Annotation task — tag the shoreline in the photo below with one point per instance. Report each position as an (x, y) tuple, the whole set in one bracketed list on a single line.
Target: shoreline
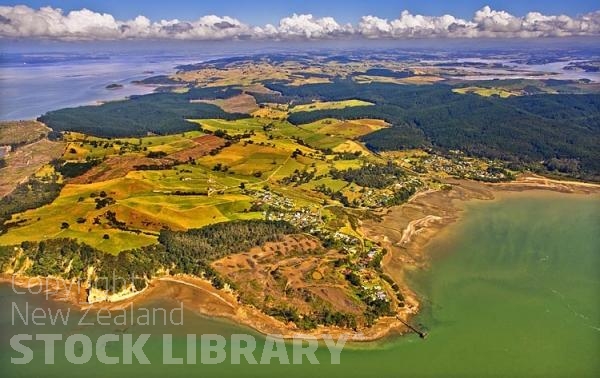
[(405, 230), (217, 304)]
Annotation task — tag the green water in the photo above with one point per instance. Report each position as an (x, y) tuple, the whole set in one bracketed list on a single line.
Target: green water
[(513, 291)]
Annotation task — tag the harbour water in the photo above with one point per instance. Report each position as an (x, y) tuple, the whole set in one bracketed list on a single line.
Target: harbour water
[(33, 83), (513, 291)]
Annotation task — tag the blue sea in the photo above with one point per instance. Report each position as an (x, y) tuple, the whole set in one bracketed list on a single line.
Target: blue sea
[(32, 83), (43, 76)]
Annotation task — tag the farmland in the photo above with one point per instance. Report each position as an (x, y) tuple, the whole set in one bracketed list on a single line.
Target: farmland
[(486, 92), (242, 103), (27, 151), (121, 188), (320, 105), (222, 171), (247, 145)]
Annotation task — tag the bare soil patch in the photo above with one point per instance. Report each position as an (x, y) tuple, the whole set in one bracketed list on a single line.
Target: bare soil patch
[(204, 145), (282, 274), (27, 160), (116, 167)]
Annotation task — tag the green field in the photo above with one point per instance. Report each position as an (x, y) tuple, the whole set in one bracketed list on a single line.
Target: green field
[(128, 199), (321, 105), (345, 129), (236, 127), (82, 146), (204, 191), (487, 92)]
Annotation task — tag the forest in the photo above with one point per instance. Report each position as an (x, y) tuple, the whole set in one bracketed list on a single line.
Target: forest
[(371, 175), (520, 129), (157, 113), (72, 169), (195, 249), (189, 252), (33, 193), (562, 131)]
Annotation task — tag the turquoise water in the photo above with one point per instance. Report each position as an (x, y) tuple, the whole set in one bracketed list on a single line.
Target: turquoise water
[(513, 291)]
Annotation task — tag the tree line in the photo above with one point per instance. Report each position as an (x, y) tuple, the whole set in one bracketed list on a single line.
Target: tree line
[(521, 129), (187, 252), (156, 113)]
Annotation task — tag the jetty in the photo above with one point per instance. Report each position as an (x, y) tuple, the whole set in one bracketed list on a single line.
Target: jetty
[(422, 334)]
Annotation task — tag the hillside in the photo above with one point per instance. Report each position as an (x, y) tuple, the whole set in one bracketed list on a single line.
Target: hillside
[(268, 204)]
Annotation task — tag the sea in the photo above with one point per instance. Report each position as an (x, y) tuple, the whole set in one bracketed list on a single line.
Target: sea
[(513, 290), (54, 77), (40, 76)]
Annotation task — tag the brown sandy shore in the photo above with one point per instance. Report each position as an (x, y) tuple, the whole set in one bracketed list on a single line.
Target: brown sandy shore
[(404, 230)]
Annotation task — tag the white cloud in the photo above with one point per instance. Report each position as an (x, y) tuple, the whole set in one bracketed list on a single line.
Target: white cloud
[(24, 22), (374, 27), (499, 23), (47, 22), (485, 23), (305, 25), (409, 25)]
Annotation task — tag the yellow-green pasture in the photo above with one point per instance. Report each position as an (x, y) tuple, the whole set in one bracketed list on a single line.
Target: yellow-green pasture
[(346, 129), (341, 165), (487, 92), (187, 178), (82, 146), (322, 105), (247, 159), (277, 128), (189, 211), (236, 127), (329, 182), (144, 200), (75, 204)]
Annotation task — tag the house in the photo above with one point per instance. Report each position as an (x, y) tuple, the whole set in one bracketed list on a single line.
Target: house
[(4, 150)]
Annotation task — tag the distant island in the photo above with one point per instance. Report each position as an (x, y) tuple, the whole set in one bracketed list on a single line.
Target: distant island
[(114, 86)]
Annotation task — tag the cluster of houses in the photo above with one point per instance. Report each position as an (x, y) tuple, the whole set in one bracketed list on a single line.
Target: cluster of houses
[(273, 200), (303, 218), (376, 293), (463, 168)]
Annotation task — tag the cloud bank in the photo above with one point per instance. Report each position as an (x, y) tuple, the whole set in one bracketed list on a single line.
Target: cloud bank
[(52, 23)]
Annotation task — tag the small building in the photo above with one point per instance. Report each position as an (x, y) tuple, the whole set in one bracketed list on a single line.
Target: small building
[(4, 150)]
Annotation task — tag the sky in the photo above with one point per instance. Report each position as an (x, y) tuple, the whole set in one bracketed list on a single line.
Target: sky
[(296, 19), (271, 11)]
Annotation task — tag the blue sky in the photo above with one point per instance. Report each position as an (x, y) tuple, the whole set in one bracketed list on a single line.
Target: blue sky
[(271, 11), (296, 19)]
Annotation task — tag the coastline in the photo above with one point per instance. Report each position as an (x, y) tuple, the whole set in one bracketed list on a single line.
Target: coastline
[(405, 230)]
